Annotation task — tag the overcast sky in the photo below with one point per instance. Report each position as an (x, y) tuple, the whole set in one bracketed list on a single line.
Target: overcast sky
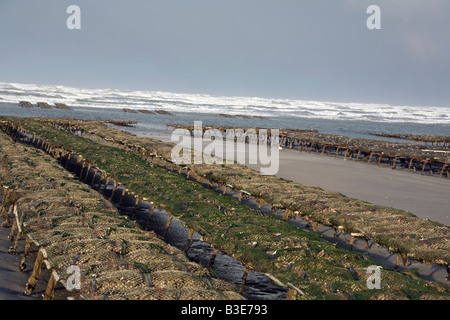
[(310, 50)]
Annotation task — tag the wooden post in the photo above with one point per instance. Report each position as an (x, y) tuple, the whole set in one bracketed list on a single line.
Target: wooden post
[(244, 278), (394, 164), (315, 224), (379, 158), (5, 224), (135, 207), (213, 257), (80, 162), (410, 164), (188, 243), (23, 265), (150, 215), (114, 190), (335, 232), (19, 235), (169, 221), (443, 168), (357, 156), (345, 155), (286, 215), (404, 257), (106, 183), (260, 203), (397, 262), (5, 196), (122, 195), (337, 152), (352, 241), (3, 212), (93, 177), (31, 284), (87, 171), (50, 291), (68, 159), (350, 155), (424, 163), (11, 234)]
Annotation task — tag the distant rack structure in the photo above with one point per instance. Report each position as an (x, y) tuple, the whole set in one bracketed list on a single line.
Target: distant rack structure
[(145, 111), (435, 141), (434, 160), (62, 106), (226, 115), (44, 105), (25, 104)]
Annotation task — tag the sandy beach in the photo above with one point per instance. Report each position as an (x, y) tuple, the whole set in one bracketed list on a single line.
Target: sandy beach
[(426, 197)]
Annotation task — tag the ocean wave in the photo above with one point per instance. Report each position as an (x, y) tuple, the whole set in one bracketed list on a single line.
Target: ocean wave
[(195, 103)]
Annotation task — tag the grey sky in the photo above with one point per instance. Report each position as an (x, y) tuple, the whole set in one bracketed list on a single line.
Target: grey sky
[(312, 50)]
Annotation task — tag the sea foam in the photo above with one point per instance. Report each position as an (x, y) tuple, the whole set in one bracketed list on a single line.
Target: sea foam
[(203, 103)]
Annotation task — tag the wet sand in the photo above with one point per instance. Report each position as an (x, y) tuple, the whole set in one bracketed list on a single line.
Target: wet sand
[(425, 196), (12, 282)]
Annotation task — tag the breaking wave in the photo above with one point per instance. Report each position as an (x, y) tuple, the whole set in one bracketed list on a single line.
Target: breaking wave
[(202, 103)]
